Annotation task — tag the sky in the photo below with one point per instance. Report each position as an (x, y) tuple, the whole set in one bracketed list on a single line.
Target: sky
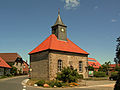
[(94, 25)]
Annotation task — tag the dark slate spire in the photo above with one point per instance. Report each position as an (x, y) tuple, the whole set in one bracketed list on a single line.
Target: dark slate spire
[(59, 20)]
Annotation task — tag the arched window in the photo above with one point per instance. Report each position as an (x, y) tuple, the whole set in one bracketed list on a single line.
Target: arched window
[(80, 66), (59, 65)]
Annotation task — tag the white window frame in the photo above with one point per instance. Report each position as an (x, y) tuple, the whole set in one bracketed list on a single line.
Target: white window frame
[(59, 65)]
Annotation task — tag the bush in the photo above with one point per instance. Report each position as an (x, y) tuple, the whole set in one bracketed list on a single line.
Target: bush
[(113, 74), (13, 70), (80, 76), (90, 68), (1, 77), (99, 74), (68, 75), (55, 83), (40, 83)]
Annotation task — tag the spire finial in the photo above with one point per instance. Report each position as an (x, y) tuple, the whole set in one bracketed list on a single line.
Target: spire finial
[(59, 20), (58, 11)]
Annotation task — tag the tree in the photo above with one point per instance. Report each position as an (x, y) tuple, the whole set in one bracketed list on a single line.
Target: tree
[(13, 70), (105, 67), (117, 85), (68, 75), (91, 68)]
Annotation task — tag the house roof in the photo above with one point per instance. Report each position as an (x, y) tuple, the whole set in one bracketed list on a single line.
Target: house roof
[(3, 63), (114, 65), (9, 57), (93, 62), (54, 44), (25, 63)]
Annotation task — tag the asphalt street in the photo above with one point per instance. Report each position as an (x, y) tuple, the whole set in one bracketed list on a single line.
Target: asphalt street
[(15, 84), (11, 84)]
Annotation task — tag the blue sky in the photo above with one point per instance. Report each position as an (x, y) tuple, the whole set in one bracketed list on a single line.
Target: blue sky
[(93, 25)]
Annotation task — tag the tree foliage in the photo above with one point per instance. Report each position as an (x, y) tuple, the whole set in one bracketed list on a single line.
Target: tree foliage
[(117, 85), (68, 75), (105, 67), (13, 70), (91, 68)]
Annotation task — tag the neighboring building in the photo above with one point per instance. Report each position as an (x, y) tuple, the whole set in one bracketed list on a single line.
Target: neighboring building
[(10, 57), (56, 52), (113, 66), (4, 68), (93, 62), (15, 60), (25, 68), (19, 65)]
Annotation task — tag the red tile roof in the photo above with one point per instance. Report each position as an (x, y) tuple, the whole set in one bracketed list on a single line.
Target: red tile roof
[(93, 62), (9, 57), (3, 63), (114, 65), (54, 44)]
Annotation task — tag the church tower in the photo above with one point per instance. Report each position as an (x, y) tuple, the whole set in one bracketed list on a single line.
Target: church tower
[(59, 29), (56, 52)]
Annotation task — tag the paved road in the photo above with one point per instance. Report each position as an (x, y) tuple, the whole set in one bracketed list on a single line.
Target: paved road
[(15, 84), (11, 84)]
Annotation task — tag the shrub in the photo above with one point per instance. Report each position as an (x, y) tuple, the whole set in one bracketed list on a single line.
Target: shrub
[(80, 76), (3, 77), (13, 70), (99, 74), (58, 84), (90, 68), (51, 83), (68, 75), (40, 83), (55, 83), (113, 74)]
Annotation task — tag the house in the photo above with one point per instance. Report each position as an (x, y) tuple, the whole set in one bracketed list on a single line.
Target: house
[(56, 52), (10, 57), (14, 59), (4, 68), (113, 67), (93, 62), (25, 68)]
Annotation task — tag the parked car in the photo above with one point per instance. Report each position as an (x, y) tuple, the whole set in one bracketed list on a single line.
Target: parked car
[(113, 77)]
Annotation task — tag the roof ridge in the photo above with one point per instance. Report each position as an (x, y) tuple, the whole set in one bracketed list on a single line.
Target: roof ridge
[(54, 44), (77, 45)]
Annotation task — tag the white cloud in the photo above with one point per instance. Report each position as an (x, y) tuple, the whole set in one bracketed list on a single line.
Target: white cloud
[(96, 7), (114, 20), (71, 4)]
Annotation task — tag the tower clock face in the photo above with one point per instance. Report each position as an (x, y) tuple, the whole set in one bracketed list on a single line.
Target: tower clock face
[(62, 30)]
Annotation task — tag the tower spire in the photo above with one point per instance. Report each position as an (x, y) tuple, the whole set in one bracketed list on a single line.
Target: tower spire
[(58, 11), (59, 20), (59, 29)]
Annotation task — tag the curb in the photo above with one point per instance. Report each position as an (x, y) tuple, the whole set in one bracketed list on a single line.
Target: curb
[(97, 86), (24, 82)]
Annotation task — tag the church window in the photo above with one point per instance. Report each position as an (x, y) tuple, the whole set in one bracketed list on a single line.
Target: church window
[(59, 65), (80, 66)]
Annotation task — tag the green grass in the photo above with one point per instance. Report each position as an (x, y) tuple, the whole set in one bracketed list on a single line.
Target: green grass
[(97, 78)]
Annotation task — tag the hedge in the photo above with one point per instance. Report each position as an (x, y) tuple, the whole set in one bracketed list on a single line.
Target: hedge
[(99, 74)]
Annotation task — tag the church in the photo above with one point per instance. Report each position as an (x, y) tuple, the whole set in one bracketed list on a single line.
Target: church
[(56, 52)]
